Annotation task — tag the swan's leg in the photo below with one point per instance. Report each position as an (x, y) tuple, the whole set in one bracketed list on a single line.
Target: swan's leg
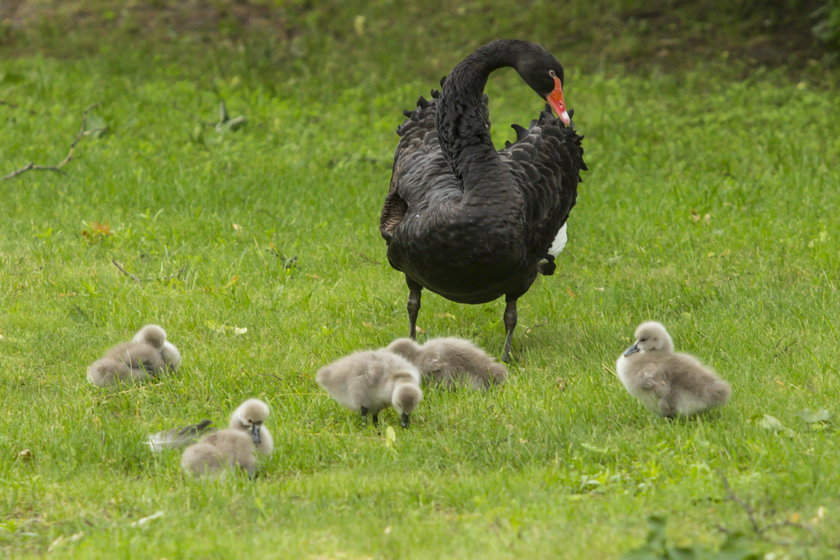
[(510, 324), (413, 306)]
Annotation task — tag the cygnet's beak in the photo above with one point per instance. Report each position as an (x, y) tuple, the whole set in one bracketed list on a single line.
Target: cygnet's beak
[(632, 350), (255, 433), (404, 420)]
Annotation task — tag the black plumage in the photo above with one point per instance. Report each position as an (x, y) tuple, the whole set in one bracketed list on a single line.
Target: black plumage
[(469, 222)]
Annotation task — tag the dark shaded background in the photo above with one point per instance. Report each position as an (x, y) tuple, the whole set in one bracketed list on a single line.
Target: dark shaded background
[(738, 36)]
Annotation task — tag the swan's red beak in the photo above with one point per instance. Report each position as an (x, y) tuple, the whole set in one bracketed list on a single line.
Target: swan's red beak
[(555, 99)]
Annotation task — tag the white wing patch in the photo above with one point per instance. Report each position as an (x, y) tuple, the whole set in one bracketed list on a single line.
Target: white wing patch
[(559, 242)]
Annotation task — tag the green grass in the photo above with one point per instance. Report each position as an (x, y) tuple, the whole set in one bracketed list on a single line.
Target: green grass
[(711, 205)]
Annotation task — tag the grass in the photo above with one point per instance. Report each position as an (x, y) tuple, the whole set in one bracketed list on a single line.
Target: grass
[(710, 205)]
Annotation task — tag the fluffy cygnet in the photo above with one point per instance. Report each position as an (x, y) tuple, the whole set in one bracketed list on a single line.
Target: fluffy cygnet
[(218, 451), (156, 336), (130, 361), (233, 446), (250, 418), (371, 380), (147, 355), (449, 361), (668, 383)]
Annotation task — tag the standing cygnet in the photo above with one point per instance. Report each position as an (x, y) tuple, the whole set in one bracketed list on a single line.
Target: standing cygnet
[(668, 383), (449, 361), (233, 446), (156, 336), (371, 380), (250, 418)]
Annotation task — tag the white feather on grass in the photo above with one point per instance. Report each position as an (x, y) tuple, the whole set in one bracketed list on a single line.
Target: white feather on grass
[(177, 437)]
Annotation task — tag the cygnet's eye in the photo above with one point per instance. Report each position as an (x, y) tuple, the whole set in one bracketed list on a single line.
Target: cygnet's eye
[(643, 340)]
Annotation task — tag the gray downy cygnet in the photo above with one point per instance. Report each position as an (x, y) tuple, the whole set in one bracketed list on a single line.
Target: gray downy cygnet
[(450, 361), (218, 451), (668, 383), (250, 418), (146, 356), (233, 446), (156, 336), (371, 380)]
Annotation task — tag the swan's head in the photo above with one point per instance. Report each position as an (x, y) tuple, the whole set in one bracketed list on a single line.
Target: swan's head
[(405, 347), (249, 417), (651, 337), (407, 395), (544, 74)]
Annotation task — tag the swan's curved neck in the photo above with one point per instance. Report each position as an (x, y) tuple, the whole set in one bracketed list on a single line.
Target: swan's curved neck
[(462, 120)]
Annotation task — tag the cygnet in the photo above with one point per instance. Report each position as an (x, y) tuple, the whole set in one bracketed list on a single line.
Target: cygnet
[(250, 418), (449, 361), (233, 446), (668, 383), (130, 361), (156, 336), (218, 451), (371, 380), (147, 355)]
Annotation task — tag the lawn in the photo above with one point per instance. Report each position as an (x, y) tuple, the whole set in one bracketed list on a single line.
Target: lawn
[(710, 204)]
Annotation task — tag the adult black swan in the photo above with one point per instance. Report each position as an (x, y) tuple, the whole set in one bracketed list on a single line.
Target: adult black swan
[(466, 221)]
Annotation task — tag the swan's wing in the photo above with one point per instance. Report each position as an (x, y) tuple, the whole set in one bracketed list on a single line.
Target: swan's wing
[(421, 176), (417, 155), (546, 161)]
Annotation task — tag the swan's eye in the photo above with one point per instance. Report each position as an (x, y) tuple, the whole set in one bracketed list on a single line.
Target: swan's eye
[(551, 73)]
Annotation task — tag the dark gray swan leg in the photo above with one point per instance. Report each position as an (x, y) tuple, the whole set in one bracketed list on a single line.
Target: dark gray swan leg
[(510, 324), (413, 306)]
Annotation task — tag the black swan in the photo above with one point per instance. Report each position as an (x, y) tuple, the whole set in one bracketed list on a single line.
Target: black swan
[(466, 221)]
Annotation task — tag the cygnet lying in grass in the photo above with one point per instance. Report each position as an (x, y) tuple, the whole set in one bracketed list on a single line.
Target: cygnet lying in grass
[(147, 355), (449, 361), (218, 451), (156, 336), (668, 383), (234, 446), (250, 418), (371, 380)]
